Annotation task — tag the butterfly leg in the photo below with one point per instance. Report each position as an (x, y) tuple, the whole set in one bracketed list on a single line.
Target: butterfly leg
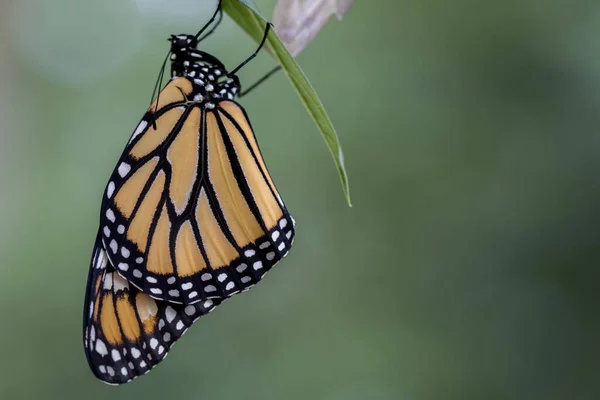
[(260, 46), (219, 12)]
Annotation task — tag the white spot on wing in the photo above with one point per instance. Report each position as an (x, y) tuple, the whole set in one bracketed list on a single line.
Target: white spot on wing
[(102, 261), (110, 189), (124, 169), (108, 281), (170, 313), (110, 215), (124, 252), (205, 277), (101, 348), (135, 353), (210, 288), (119, 283)]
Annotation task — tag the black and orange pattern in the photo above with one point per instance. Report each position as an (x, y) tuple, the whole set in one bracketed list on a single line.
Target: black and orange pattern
[(126, 332), (190, 217), (190, 212)]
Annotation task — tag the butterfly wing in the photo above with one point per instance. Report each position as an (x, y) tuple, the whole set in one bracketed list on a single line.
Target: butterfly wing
[(126, 332), (240, 220), (190, 212)]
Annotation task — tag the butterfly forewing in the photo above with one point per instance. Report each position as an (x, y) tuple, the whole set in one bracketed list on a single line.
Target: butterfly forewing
[(190, 212)]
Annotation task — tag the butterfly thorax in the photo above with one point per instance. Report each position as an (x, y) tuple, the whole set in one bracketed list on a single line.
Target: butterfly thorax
[(208, 75)]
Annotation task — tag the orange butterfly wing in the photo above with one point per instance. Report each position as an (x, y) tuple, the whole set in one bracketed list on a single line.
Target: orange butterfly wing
[(126, 332), (190, 212)]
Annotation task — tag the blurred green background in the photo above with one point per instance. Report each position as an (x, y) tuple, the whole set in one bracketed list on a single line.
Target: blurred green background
[(467, 269)]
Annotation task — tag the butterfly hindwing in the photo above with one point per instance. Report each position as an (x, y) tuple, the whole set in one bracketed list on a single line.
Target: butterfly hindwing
[(126, 332)]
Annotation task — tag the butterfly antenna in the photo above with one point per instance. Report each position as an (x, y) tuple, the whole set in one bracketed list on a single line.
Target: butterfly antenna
[(212, 19), (247, 60)]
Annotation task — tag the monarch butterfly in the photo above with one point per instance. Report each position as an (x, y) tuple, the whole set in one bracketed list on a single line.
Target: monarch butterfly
[(190, 216)]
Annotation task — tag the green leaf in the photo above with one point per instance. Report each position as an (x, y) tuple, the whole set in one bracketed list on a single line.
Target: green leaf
[(247, 16), (248, 3)]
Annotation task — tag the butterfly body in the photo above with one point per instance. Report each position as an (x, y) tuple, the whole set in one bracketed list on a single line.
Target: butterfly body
[(207, 74)]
